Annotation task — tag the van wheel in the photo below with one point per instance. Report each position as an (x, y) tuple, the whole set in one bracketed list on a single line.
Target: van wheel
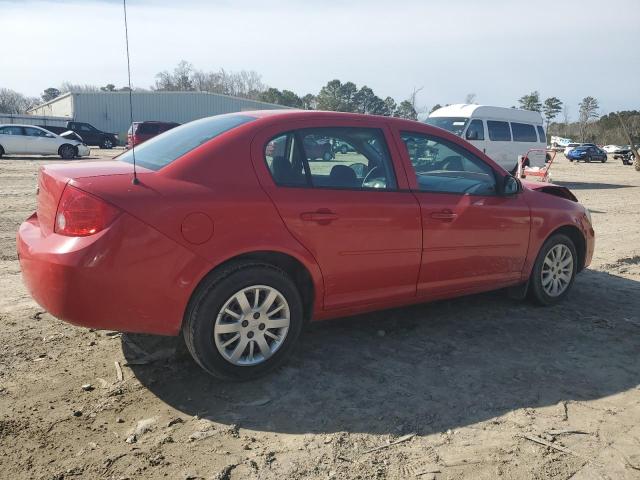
[(67, 152), (243, 321), (554, 271)]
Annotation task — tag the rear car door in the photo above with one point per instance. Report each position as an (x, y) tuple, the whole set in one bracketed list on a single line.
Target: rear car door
[(12, 139), (473, 238), (352, 212), (40, 142)]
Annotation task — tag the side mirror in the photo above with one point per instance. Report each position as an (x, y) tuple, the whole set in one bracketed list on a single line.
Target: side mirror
[(472, 134), (510, 186)]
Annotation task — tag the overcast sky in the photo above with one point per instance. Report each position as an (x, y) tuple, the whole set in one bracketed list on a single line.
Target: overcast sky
[(497, 49)]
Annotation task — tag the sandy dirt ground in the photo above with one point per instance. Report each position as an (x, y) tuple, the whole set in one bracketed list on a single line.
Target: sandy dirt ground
[(479, 387)]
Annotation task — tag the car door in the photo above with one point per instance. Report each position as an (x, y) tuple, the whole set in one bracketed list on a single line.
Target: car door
[(353, 213), (475, 134), (88, 133), (474, 239), (12, 139), (40, 142)]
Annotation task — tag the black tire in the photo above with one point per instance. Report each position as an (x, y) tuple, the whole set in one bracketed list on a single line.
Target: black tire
[(211, 296), (604, 159), (107, 143), (67, 152), (588, 159), (536, 290)]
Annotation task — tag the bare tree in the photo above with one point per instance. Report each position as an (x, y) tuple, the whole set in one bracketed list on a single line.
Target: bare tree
[(588, 111), (470, 98), (13, 102), (67, 87)]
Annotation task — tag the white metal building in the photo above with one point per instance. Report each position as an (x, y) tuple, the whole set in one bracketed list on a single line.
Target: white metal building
[(109, 111)]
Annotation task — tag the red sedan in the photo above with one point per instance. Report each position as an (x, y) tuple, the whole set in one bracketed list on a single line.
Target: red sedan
[(233, 237)]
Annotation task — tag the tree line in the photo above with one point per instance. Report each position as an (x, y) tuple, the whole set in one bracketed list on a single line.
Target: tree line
[(344, 97)]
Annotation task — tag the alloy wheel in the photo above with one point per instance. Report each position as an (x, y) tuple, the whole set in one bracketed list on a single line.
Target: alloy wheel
[(252, 325), (557, 270)]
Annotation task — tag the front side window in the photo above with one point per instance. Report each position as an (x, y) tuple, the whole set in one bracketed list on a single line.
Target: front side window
[(499, 131), (332, 157), (34, 132), (455, 125), (523, 132), (164, 149), (475, 130), (441, 166)]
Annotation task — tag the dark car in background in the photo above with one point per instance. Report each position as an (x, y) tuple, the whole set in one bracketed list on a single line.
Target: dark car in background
[(587, 153), (142, 131), (89, 134)]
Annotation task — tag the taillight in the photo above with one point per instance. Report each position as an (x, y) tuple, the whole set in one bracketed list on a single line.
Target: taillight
[(80, 214)]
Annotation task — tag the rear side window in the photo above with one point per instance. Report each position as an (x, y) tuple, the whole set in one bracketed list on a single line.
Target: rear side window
[(334, 157), (11, 131), (160, 151), (543, 136), (499, 131), (523, 132)]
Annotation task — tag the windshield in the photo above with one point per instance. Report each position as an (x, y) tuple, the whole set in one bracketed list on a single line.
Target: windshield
[(455, 125), (160, 151)]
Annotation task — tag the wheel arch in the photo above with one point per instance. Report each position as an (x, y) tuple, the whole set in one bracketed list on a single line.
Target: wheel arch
[(577, 237), (67, 145), (292, 266)]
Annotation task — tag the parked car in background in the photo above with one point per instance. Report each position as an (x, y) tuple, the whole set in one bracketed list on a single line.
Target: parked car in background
[(342, 147), (570, 147), (560, 143), (318, 148), (503, 134), (90, 135), (587, 153), (32, 140), (140, 132), (613, 148), (294, 240)]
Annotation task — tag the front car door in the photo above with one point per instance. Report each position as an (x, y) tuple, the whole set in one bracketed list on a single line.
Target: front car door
[(500, 148), (353, 212), (40, 142), (474, 239)]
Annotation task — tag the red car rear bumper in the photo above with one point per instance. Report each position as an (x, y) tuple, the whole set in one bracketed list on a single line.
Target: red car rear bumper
[(129, 277)]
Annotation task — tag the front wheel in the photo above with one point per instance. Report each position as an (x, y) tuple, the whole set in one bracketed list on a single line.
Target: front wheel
[(244, 321), (67, 152), (554, 271), (604, 159), (107, 143)]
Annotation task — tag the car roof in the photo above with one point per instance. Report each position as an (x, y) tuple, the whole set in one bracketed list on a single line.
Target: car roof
[(486, 111), (21, 125)]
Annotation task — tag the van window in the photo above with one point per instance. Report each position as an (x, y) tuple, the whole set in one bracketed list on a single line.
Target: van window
[(523, 132), (543, 136), (475, 130), (499, 131), (455, 125)]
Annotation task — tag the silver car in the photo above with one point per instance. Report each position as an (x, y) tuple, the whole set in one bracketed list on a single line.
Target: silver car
[(32, 140)]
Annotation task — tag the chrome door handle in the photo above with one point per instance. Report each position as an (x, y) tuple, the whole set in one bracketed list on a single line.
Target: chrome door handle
[(445, 215)]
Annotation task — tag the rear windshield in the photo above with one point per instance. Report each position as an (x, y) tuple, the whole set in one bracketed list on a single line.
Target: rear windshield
[(160, 151), (454, 125)]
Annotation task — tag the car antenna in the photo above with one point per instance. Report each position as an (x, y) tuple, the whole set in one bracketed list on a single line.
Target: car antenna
[(135, 180)]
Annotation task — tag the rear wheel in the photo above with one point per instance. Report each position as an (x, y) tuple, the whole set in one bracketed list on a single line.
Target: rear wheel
[(243, 321), (67, 152), (554, 271)]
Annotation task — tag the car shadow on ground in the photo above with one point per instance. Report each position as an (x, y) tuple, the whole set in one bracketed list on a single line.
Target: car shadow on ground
[(424, 368), (591, 185)]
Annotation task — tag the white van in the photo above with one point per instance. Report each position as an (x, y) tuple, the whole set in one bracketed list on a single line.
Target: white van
[(502, 133)]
